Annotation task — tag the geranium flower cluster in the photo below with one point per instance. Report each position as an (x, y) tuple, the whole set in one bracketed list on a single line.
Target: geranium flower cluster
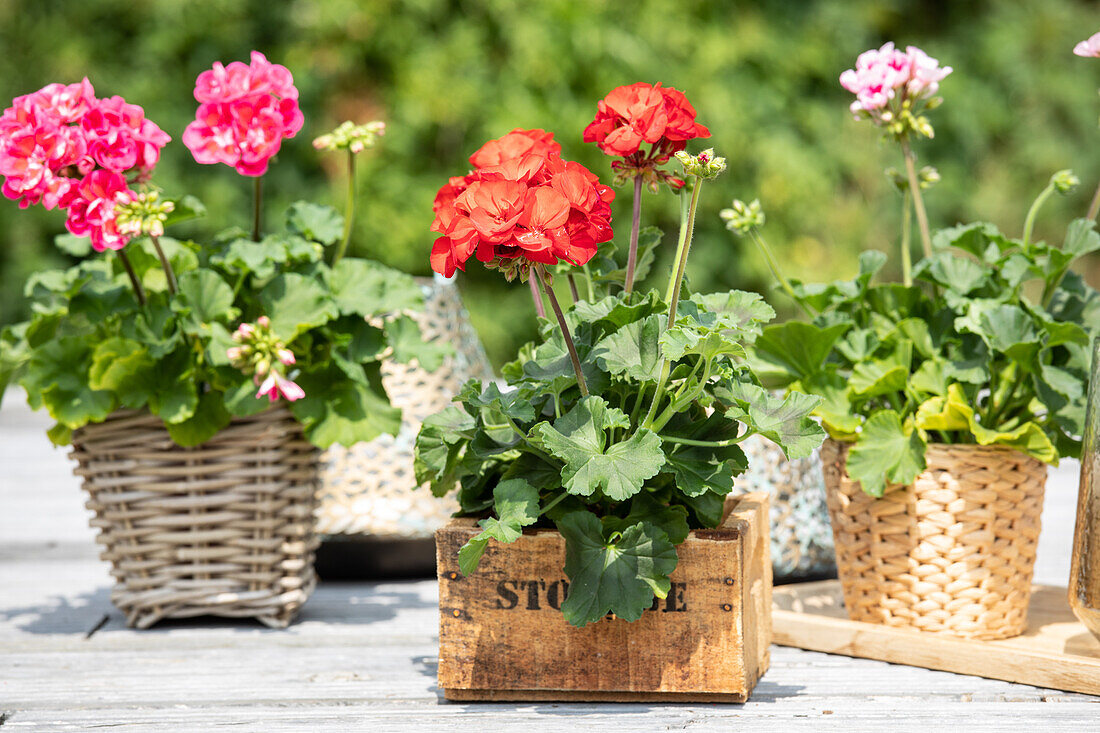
[(522, 205), (245, 111), (1089, 48), (888, 82), (259, 353), (66, 149), (637, 114)]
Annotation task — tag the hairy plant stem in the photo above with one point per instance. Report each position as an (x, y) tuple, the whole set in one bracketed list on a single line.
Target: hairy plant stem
[(173, 285), (540, 307), (918, 200), (683, 248), (906, 231), (573, 288), (139, 292), (257, 207), (1094, 207), (349, 212), (588, 283), (1029, 220), (636, 218), (581, 383), (777, 273), (557, 500)]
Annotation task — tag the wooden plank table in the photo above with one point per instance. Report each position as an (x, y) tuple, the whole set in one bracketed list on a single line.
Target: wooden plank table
[(365, 654)]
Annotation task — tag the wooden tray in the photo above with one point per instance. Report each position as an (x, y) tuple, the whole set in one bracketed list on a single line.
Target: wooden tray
[(1056, 652)]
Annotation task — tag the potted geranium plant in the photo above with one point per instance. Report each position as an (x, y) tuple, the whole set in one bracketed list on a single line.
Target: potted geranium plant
[(195, 381), (613, 443), (944, 395)]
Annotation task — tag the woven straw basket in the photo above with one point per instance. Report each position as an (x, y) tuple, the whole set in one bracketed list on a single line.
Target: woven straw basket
[(952, 553), (369, 488), (223, 529)]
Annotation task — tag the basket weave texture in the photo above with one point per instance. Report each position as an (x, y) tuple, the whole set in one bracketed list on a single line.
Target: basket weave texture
[(369, 488), (224, 528), (951, 553)]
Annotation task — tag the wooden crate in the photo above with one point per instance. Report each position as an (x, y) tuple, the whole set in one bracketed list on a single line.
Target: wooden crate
[(1056, 651), (502, 635)]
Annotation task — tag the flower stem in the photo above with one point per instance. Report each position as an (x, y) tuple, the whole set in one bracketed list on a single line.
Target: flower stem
[(1029, 220), (588, 284), (139, 292), (1094, 207), (918, 201), (765, 250), (632, 254), (173, 286), (573, 287), (685, 237), (581, 383), (349, 212), (540, 307), (257, 206), (906, 231), (714, 443)]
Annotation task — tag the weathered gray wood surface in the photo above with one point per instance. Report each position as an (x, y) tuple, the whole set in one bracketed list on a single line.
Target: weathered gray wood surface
[(363, 655)]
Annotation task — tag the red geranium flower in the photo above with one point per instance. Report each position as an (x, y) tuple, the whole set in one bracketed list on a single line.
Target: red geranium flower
[(632, 116), (525, 205)]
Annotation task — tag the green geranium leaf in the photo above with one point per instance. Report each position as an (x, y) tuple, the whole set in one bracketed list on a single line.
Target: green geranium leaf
[(295, 304), (337, 410), (313, 221), (512, 403), (619, 574), (886, 452), (700, 469), (124, 367), (368, 289), (1081, 238), (632, 350), (645, 507), (241, 400), (947, 413), (1011, 330), (952, 271), (516, 505), (175, 396), (800, 347), (974, 238), (73, 245), (185, 208), (783, 420), (836, 411), (205, 296), (209, 417), (408, 344), (57, 377), (579, 439), (736, 310), (878, 377), (441, 439)]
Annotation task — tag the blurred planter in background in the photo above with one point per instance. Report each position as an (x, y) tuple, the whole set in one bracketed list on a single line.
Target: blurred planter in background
[(374, 521)]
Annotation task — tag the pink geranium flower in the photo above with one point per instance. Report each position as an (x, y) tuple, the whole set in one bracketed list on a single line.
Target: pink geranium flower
[(245, 113), (92, 209), (276, 386), (886, 75), (1090, 47)]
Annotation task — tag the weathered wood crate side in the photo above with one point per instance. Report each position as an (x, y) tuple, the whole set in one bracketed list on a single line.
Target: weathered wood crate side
[(502, 635)]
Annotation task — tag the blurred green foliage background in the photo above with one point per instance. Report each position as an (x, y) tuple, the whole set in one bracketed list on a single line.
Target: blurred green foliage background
[(448, 74)]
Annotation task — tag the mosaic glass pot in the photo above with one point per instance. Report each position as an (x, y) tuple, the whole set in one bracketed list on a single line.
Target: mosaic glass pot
[(1084, 579)]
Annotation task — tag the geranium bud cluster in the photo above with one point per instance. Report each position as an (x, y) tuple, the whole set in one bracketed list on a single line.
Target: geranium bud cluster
[(639, 114), (245, 111), (521, 205), (352, 137), (705, 165), (145, 214), (894, 87), (64, 148), (265, 358), (1065, 181), (742, 218), (927, 177)]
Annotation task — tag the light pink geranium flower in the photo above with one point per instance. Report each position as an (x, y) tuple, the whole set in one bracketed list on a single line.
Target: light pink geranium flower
[(245, 113), (1090, 47), (276, 386), (886, 75)]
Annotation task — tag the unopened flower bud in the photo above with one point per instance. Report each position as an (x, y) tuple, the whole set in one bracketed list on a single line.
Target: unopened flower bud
[(352, 137), (1064, 181), (704, 165), (742, 218), (286, 356), (263, 322)]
